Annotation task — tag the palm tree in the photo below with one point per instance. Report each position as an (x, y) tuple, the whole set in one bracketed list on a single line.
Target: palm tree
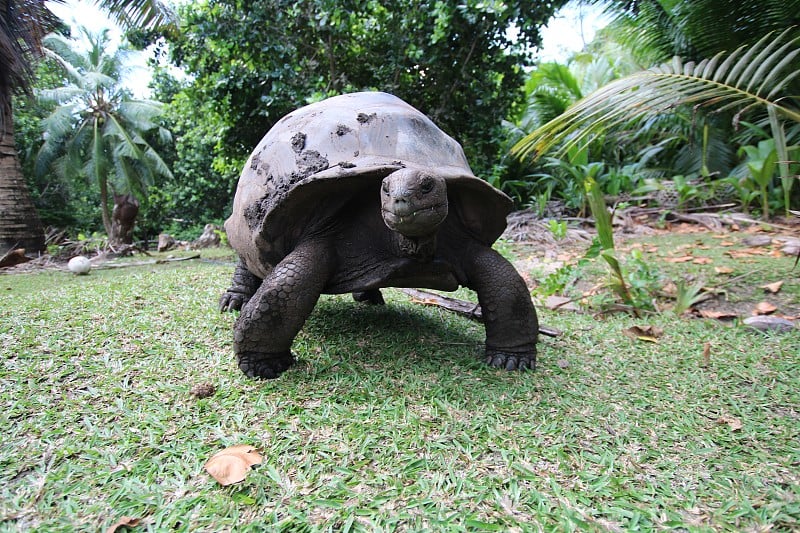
[(23, 23), (749, 78), (757, 80), (98, 131)]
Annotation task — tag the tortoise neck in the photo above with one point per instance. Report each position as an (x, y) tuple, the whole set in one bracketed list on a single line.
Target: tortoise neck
[(421, 248)]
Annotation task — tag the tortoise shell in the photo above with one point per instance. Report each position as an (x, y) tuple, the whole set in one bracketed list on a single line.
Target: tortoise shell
[(318, 157)]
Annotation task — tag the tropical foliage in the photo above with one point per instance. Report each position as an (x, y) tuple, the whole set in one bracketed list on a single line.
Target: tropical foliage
[(97, 131), (622, 112), (745, 80), (22, 25), (252, 62), (688, 117)]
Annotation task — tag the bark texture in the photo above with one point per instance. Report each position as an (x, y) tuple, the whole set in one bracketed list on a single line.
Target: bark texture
[(20, 226)]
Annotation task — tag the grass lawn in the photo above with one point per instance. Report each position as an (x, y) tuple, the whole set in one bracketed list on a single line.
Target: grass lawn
[(390, 421)]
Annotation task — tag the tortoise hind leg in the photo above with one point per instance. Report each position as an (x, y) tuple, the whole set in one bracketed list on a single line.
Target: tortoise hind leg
[(371, 297), (243, 286), (268, 324)]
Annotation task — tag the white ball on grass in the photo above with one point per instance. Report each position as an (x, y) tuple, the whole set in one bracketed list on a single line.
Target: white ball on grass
[(79, 265)]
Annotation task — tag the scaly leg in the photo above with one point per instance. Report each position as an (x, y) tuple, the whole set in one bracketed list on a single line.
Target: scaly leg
[(268, 324), (508, 313), (243, 287)]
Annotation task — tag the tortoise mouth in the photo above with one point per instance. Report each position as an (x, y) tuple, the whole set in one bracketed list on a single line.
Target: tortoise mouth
[(417, 223)]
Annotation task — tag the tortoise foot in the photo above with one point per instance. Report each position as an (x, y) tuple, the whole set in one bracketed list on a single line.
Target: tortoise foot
[(232, 301), (264, 365), (371, 297), (510, 361)]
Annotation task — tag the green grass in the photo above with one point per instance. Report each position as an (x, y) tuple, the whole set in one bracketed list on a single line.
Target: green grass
[(390, 421)]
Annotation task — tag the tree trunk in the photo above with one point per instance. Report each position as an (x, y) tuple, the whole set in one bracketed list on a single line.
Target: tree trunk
[(123, 219), (20, 226)]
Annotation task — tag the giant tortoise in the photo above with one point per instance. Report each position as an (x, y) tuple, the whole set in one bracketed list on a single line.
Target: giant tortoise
[(353, 194)]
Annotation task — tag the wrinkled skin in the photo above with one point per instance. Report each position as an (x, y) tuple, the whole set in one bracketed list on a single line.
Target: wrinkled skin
[(401, 233)]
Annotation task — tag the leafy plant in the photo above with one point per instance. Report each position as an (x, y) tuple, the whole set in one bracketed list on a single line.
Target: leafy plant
[(745, 189), (558, 228), (557, 281), (748, 78), (633, 281), (761, 161), (687, 295)]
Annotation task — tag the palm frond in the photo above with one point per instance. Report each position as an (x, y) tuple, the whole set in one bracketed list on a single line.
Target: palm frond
[(21, 30), (59, 95), (749, 77), (141, 14), (64, 47)]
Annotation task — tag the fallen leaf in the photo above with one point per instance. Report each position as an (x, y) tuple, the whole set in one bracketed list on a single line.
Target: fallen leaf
[(772, 287), (764, 308), (682, 259), (734, 423), (670, 289), (746, 252), (702, 261), (723, 270), (706, 354), (125, 521), (643, 333), (710, 313), (231, 465), (727, 243)]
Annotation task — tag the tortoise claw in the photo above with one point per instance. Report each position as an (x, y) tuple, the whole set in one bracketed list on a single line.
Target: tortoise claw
[(232, 301), (510, 361)]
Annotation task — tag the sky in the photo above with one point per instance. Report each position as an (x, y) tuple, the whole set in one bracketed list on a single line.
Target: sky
[(567, 32)]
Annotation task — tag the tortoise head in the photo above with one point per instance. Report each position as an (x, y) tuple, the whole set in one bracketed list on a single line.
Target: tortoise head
[(413, 202)]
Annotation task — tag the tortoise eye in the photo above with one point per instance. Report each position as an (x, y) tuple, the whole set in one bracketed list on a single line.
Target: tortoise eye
[(427, 186), (385, 187)]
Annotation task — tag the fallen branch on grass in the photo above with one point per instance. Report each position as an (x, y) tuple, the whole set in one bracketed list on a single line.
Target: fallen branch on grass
[(468, 309), (144, 263)]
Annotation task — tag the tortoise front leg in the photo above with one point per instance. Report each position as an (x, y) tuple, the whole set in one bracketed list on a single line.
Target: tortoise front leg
[(508, 313), (243, 286), (269, 322)]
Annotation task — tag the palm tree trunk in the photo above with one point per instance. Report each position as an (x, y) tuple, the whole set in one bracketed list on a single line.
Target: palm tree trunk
[(20, 226), (123, 219)]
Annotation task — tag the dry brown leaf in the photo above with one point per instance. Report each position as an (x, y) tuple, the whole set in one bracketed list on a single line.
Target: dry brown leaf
[(734, 423), (670, 289), (706, 354), (710, 313), (723, 270), (727, 243), (773, 287), (643, 333), (231, 465), (746, 252), (682, 259), (702, 261), (125, 521), (764, 308)]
